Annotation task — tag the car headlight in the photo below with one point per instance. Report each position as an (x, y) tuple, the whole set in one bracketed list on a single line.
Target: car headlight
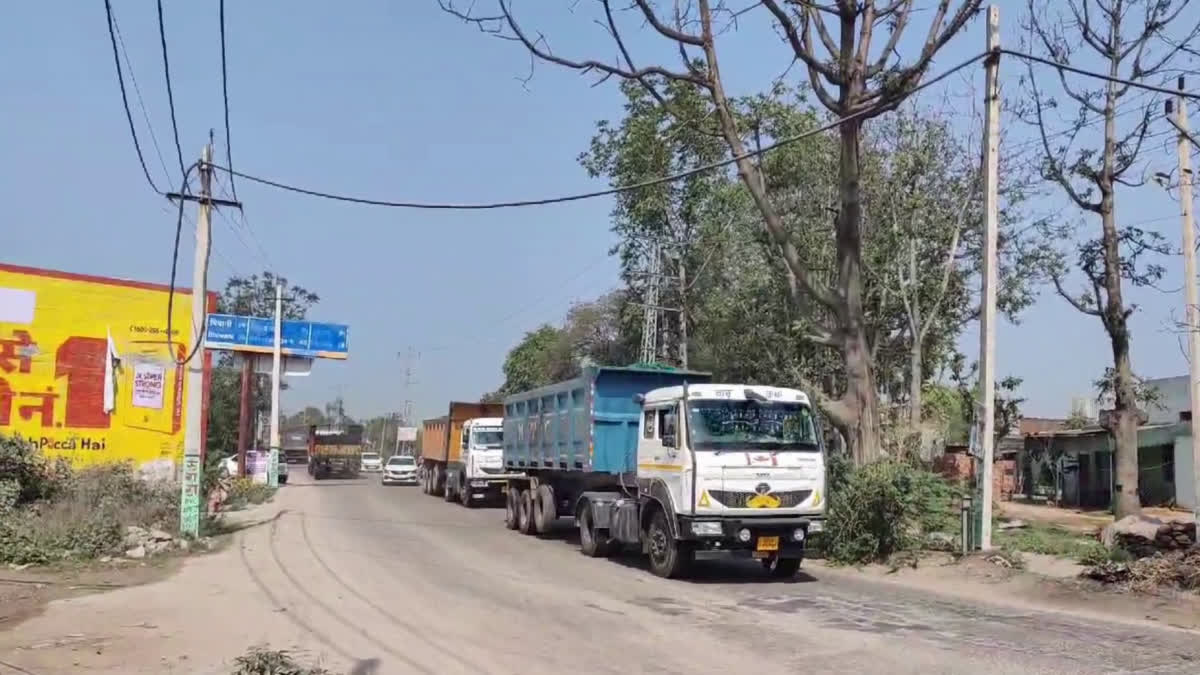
[(706, 529)]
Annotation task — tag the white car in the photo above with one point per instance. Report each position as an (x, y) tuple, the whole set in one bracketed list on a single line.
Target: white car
[(370, 462), (231, 466), (400, 470)]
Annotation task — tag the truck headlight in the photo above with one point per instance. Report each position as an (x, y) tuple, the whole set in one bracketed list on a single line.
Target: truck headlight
[(798, 534), (816, 526), (706, 529), (743, 535)]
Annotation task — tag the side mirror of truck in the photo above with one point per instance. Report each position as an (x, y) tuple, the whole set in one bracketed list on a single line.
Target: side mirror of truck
[(639, 398)]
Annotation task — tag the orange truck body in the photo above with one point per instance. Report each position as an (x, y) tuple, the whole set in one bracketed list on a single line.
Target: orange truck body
[(441, 437)]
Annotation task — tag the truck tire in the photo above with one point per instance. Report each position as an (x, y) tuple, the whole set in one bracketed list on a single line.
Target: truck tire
[(464, 493), (782, 568), (525, 512), (448, 492), (511, 509), (669, 558), (545, 509), (592, 543)]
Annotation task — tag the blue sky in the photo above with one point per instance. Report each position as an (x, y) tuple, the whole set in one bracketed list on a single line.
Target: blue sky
[(401, 101)]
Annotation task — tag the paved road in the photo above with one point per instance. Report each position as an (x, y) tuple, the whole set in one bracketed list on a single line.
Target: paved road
[(410, 569), (387, 580)]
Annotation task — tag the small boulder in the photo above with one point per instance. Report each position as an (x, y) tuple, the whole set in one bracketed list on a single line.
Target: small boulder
[(135, 536), (136, 553), (159, 535), (1015, 524), (939, 541)]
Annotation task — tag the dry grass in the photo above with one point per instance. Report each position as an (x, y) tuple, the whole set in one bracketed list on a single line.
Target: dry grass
[(1174, 570)]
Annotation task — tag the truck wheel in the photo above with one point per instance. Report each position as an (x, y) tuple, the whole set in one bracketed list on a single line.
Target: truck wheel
[(511, 508), (448, 492), (592, 543), (545, 509), (668, 558), (782, 568), (525, 512), (464, 493)]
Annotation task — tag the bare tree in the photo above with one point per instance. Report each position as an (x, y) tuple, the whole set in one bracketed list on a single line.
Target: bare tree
[(1128, 38), (854, 78)]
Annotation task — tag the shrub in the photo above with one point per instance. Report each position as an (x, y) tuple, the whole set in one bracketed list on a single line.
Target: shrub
[(884, 508), (51, 513), (262, 661), (34, 477), (243, 491)]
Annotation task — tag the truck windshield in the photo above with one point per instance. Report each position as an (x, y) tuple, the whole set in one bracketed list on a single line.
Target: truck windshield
[(730, 425), (488, 437)]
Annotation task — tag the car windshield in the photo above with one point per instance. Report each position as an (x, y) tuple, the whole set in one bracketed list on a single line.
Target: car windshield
[(758, 425), (370, 456), (401, 461), (489, 437)]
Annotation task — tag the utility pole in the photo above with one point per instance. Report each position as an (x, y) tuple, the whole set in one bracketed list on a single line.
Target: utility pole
[(650, 312), (244, 426), (193, 441), (683, 315), (1191, 308), (987, 323), (273, 459)]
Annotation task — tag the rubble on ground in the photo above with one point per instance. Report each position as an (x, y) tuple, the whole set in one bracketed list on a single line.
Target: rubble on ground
[(1143, 536), (1167, 569), (141, 542)]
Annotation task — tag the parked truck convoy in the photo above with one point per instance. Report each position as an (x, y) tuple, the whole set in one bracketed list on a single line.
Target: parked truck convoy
[(665, 462), (461, 454), (334, 450)]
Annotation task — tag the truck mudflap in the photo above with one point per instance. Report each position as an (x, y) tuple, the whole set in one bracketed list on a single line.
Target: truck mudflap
[(762, 537)]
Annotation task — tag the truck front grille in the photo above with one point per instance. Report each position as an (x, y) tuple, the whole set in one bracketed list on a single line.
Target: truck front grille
[(491, 469), (736, 499)]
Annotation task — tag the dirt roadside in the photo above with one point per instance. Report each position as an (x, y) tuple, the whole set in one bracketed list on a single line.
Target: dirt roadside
[(1049, 584)]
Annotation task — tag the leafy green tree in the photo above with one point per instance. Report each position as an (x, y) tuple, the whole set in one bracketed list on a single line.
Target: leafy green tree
[(247, 296), (857, 73)]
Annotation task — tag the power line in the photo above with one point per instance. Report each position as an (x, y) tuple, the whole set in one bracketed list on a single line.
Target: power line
[(225, 96), (125, 97), (596, 193), (1095, 75), (198, 330), (137, 90), (162, 36)]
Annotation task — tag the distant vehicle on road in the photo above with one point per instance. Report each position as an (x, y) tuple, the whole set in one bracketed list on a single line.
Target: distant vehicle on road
[(370, 462), (461, 454), (334, 450), (399, 470)]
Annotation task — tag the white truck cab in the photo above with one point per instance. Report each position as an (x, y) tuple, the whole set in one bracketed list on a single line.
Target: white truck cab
[(479, 475), (740, 469)]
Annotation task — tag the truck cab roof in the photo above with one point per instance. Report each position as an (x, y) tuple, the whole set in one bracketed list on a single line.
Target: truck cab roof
[(484, 422), (733, 392)]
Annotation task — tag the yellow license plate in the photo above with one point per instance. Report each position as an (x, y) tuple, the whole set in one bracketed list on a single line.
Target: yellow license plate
[(768, 543)]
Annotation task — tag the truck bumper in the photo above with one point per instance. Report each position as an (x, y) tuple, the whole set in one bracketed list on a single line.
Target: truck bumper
[(750, 537)]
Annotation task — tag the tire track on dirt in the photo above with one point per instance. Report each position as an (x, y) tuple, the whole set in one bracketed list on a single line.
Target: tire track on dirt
[(447, 650), (333, 613), (276, 601)]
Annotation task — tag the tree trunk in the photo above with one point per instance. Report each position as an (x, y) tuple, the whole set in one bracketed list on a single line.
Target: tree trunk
[(860, 382), (915, 381), (1125, 423)]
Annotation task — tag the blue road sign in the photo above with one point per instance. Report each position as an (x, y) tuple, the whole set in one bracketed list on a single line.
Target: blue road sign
[(297, 338)]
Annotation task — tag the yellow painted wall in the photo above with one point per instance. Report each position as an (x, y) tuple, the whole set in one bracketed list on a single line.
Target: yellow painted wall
[(53, 343)]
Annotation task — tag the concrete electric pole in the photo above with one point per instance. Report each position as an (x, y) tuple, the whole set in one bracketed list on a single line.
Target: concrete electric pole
[(1191, 309), (987, 323), (193, 439), (273, 458)]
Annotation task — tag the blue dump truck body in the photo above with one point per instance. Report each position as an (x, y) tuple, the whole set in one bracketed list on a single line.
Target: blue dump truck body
[(585, 425)]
